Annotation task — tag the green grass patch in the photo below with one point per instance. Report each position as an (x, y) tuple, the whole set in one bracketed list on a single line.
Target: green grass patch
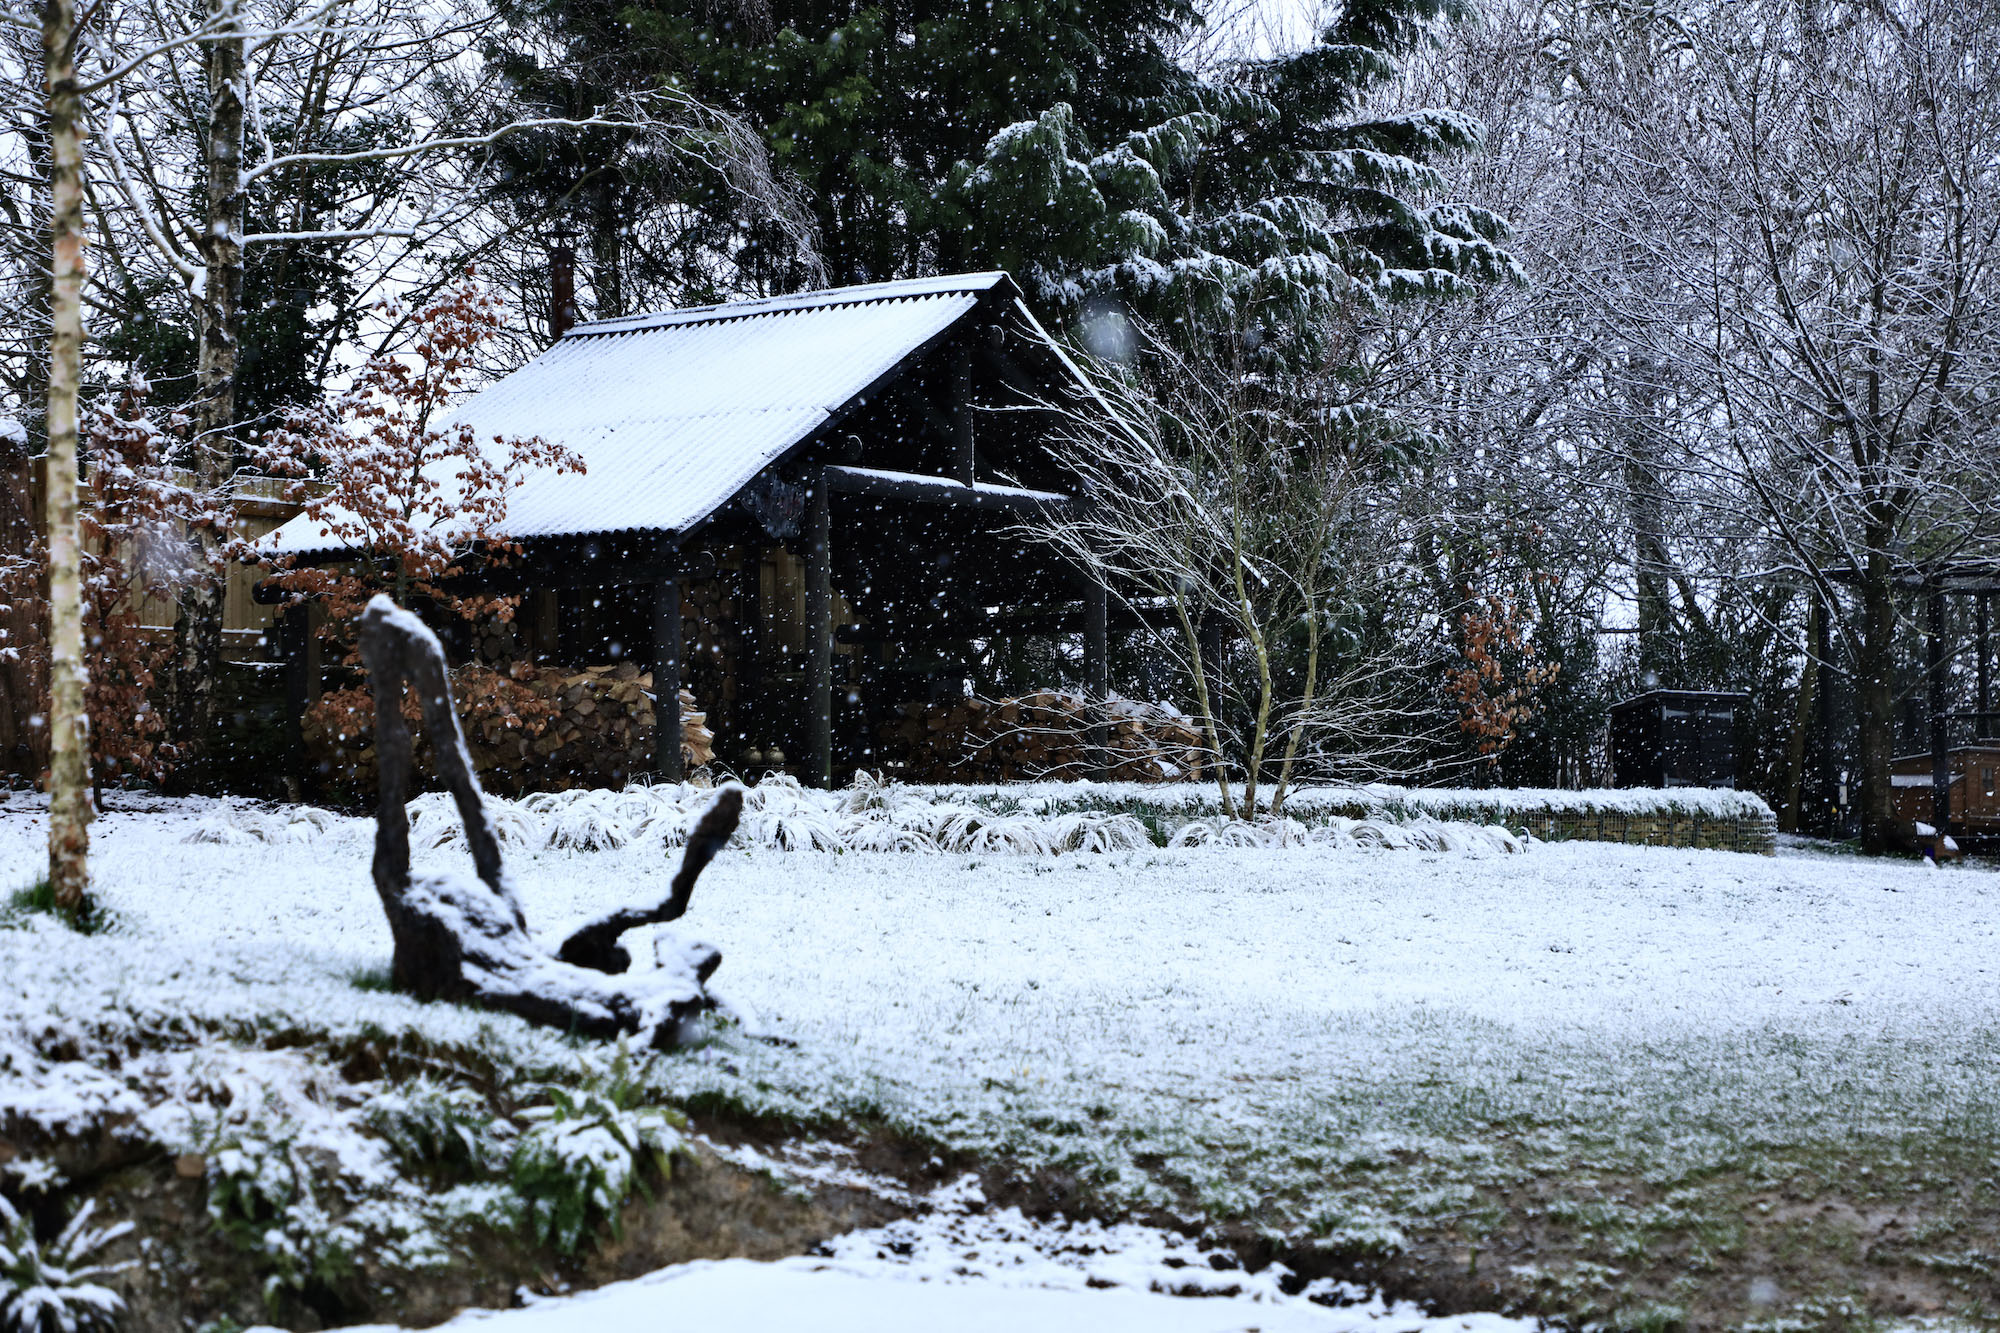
[(38, 899), (374, 978)]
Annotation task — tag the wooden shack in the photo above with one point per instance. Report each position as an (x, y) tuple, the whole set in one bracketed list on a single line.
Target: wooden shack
[(788, 503), (1674, 738), (1974, 786)]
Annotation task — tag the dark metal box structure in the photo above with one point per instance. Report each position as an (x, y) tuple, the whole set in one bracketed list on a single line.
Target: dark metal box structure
[(1675, 738)]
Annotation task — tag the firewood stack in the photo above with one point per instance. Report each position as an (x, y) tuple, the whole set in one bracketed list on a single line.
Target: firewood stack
[(496, 643), (1041, 735), (714, 640), (595, 729), (601, 734)]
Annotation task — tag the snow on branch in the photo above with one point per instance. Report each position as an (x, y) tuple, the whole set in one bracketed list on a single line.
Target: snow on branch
[(595, 945), (359, 234), (390, 152)]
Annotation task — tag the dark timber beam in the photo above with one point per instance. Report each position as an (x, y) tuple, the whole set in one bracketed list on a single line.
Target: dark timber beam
[(667, 680), (1940, 736), (569, 568), (750, 712), (965, 454), (960, 629), (819, 632), (939, 490), (313, 616), (1097, 665), (571, 571), (294, 632)]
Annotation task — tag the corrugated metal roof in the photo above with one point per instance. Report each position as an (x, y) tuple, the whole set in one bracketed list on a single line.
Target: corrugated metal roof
[(832, 296), (674, 413)]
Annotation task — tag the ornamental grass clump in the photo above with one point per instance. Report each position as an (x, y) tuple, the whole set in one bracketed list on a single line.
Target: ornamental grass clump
[(55, 1288)]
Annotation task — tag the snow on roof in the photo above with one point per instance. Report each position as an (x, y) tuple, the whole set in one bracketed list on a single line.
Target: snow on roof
[(673, 413), (950, 285)]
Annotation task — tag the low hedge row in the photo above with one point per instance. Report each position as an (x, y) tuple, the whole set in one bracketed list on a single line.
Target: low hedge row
[(1675, 816)]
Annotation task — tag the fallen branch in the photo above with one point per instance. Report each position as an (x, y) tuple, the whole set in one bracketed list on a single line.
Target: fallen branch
[(595, 944), (467, 941)]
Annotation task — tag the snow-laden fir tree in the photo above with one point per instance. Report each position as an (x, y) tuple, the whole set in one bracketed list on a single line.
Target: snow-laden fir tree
[(1261, 200)]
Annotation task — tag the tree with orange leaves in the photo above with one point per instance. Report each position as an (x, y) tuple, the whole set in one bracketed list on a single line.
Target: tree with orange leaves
[(1494, 684), (415, 499)]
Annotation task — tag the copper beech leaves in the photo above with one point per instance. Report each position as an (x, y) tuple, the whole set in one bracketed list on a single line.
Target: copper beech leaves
[(134, 517), (418, 499), (1495, 684)]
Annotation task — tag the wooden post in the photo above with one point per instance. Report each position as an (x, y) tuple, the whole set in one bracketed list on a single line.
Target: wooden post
[(1097, 667), (542, 621), (750, 656), (965, 455), (295, 646), (667, 679), (313, 616), (819, 635), (1940, 735)]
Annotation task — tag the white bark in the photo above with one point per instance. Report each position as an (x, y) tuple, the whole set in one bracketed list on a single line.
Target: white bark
[(70, 808)]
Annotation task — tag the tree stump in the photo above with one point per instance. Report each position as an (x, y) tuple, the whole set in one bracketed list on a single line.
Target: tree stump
[(467, 941)]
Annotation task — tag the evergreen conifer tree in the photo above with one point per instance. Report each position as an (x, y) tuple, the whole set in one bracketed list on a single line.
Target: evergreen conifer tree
[(1059, 139)]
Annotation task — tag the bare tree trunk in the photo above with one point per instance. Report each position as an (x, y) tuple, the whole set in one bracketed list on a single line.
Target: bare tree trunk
[(1875, 691), (1803, 714), (1645, 500), (1308, 696), (1253, 763), (218, 311), (1308, 693), (69, 724), (1192, 637)]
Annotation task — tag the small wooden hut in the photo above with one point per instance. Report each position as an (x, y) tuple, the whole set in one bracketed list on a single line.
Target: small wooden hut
[(786, 500), (1973, 781)]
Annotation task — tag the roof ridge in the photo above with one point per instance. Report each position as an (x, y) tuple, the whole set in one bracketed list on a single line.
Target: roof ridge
[(951, 284)]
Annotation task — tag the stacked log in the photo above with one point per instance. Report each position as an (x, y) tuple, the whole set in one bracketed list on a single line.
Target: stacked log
[(1039, 736), (713, 635), (495, 642), (540, 728), (601, 733)]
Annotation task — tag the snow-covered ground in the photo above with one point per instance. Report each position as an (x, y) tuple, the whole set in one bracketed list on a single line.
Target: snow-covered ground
[(1203, 1000), (968, 1269), (1243, 1031)]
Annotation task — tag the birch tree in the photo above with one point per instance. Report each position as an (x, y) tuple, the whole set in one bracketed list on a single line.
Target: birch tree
[(60, 112), (351, 130), (70, 807)]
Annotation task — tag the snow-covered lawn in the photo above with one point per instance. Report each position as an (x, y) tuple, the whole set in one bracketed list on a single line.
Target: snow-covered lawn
[(1349, 1045)]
